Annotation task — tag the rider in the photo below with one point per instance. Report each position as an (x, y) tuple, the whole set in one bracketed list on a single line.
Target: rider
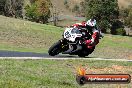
[(95, 32)]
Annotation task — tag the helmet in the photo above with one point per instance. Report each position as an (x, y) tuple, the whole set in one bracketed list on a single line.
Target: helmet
[(91, 23)]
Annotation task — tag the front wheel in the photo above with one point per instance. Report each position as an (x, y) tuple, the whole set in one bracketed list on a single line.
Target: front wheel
[(55, 49)]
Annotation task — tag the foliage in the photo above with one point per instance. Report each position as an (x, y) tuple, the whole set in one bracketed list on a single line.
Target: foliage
[(43, 10), (32, 1), (38, 11), (118, 28), (67, 6), (123, 13), (126, 16), (103, 25), (31, 12), (12, 8), (2, 4), (105, 11), (82, 8), (65, 2), (75, 8), (128, 19), (120, 31)]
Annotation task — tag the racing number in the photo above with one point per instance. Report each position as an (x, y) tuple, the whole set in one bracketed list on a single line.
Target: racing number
[(67, 34)]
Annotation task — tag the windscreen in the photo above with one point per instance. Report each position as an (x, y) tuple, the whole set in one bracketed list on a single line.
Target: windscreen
[(75, 31)]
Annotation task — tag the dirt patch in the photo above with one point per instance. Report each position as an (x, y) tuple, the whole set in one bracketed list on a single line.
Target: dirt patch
[(124, 3), (114, 69)]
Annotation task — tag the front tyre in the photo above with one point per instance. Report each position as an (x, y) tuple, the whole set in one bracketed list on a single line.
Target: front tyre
[(55, 49)]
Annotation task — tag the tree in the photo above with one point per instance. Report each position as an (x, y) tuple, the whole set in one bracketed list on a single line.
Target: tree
[(2, 5), (75, 8), (82, 8), (123, 13), (31, 12), (118, 28), (128, 18), (105, 11), (38, 11), (43, 10), (32, 1), (65, 2), (14, 8)]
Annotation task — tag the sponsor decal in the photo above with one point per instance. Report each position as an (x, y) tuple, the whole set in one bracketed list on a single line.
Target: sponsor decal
[(83, 78)]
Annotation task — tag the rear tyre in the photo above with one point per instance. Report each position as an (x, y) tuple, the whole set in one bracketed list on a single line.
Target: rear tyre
[(91, 50), (83, 54), (55, 49)]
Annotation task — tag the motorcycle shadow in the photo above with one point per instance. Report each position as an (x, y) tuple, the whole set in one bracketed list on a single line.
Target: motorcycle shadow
[(72, 56)]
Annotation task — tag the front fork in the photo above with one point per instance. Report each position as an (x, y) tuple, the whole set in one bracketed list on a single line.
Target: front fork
[(64, 44)]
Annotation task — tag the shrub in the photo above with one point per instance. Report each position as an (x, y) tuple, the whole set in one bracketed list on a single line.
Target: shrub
[(31, 12), (75, 8), (2, 4), (117, 28), (38, 11), (12, 8), (105, 11), (121, 31), (65, 2)]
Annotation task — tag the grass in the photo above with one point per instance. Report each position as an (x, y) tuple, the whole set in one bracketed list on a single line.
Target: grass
[(25, 36), (114, 46), (57, 73), (19, 35)]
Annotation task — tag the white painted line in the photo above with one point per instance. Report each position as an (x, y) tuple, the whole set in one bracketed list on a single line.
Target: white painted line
[(34, 58), (110, 59)]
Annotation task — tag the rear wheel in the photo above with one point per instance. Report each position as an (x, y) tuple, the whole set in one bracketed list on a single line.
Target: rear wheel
[(83, 54), (55, 49), (91, 50)]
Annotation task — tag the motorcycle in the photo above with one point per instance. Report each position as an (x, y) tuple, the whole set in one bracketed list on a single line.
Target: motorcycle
[(72, 43)]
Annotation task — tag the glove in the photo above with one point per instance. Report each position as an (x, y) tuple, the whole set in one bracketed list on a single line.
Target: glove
[(87, 42)]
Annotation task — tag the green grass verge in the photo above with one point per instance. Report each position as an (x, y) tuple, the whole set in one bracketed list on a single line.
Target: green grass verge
[(25, 36), (19, 35), (57, 73), (114, 46)]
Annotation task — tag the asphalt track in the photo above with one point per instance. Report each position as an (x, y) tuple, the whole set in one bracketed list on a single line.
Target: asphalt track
[(31, 55), (21, 54)]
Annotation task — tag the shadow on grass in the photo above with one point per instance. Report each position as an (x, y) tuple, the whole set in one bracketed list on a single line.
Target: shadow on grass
[(73, 56)]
